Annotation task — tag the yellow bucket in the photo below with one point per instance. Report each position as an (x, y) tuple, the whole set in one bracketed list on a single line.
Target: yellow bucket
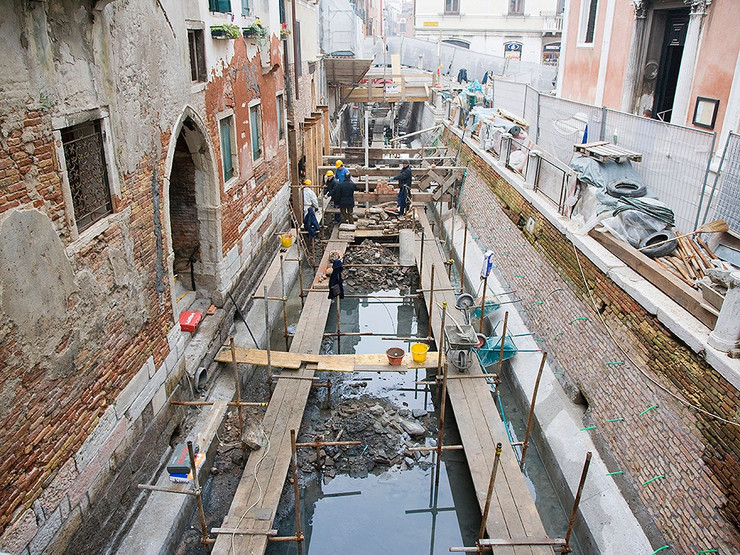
[(419, 352), (286, 240)]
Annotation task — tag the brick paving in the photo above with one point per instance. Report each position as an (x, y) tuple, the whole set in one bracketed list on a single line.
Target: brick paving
[(690, 504)]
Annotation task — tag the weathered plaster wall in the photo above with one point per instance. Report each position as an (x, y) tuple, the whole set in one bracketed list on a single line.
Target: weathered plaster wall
[(88, 344)]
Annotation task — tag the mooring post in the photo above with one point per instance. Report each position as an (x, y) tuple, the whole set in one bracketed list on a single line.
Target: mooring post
[(483, 304), (531, 410), (267, 342), (237, 386), (294, 460), (577, 500), (487, 506), (285, 300), (501, 350), (205, 539), (431, 302)]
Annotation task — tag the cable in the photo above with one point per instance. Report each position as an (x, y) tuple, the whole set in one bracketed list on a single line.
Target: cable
[(259, 486), (639, 369)]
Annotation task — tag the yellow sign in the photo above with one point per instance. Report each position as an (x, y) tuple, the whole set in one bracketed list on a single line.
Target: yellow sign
[(431, 24)]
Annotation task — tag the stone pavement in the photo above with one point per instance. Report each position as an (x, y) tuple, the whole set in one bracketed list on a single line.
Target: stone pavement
[(687, 500)]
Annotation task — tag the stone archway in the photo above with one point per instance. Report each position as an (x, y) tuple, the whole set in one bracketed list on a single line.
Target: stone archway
[(192, 214)]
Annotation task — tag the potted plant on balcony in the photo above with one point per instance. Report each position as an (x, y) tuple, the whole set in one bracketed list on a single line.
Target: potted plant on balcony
[(256, 31), (225, 31), (284, 31)]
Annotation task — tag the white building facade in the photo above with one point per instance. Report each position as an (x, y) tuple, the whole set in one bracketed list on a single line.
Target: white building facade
[(527, 30)]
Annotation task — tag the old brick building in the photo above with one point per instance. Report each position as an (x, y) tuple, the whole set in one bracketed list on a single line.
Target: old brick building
[(143, 168)]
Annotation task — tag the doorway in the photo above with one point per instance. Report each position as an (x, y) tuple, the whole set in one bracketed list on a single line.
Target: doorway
[(674, 38)]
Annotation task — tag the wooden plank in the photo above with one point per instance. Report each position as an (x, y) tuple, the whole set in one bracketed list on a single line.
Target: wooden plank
[(513, 511), (284, 413), (688, 297)]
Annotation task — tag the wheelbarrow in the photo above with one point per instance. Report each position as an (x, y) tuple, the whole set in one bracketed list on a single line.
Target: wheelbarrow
[(459, 340)]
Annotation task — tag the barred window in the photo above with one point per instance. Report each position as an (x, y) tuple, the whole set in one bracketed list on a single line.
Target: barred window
[(87, 173)]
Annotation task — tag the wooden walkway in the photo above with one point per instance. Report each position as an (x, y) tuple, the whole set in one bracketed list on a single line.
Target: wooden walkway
[(256, 500), (512, 513)]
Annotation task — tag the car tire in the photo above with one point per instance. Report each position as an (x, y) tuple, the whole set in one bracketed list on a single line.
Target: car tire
[(663, 249), (626, 188)]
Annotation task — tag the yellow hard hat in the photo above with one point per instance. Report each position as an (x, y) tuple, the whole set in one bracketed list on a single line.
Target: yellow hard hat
[(307, 182), (330, 174), (338, 164)]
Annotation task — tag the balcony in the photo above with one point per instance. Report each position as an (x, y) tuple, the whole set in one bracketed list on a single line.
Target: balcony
[(552, 22)]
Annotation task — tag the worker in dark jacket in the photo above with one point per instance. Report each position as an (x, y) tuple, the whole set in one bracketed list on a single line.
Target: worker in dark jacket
[(346, 200), (336, 282), (404, 188), (330, 190)]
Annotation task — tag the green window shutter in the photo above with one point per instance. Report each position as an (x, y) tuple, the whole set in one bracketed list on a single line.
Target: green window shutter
[(226, 149)]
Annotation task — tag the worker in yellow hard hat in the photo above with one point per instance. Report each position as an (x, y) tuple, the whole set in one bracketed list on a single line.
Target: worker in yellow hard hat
[(330, 189), (310, 209), (342, 172)]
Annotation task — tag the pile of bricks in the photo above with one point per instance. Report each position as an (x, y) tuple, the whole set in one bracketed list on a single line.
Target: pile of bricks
[(385, 188)]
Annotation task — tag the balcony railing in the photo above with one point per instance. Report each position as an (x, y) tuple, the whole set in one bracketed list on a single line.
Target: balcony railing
[(552, 22)]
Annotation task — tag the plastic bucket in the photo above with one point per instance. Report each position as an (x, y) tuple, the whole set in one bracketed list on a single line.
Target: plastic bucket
[(286, 240), (419, 352), (395, 356)]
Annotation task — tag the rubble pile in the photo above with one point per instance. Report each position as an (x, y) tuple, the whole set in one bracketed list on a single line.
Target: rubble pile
[(386, 435), (364, 279)]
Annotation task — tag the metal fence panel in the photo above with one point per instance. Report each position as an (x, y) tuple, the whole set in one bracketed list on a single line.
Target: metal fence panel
[(674, 160), (509, 96), (531, 111), (725, 201), (562, 123)]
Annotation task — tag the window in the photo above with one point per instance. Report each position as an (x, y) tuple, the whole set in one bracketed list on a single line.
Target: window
[(280, 117), (228, 142), (588, 21), (516, 7), (84, 158), (513, 50), (223, 6), (255, 128), (247, 8), (197, 55), (452, 6)]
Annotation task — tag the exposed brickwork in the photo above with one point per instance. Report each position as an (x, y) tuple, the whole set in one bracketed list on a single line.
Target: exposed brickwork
[(117, 318), (696, 505)]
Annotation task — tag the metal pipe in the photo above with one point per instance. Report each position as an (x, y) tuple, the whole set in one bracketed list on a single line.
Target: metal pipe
[(444, 448), (503, 340), (577, 500), (165, 490), (443, 401), (339, 328), (421, 259), (531, 411), (285, 300), (483, 305), (328, 443), (208, 403), (237, 385), (407, 135), (487, 507), (431, 301), (294, 460), (198, 495), (267, 342), (348, 333), (300, 278), (462, 264)]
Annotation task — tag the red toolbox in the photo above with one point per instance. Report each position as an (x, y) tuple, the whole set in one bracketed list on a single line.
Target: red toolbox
[(189, 321)]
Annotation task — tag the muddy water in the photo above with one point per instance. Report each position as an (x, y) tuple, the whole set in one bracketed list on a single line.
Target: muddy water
[(393, 510)]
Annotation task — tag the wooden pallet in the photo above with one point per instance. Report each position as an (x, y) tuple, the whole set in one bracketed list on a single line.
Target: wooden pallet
[(604, 151)]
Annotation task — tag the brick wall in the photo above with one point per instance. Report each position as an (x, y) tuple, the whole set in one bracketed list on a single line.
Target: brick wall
[(696, 505)]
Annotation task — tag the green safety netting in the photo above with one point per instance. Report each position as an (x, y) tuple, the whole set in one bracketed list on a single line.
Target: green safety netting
[(489, 353)]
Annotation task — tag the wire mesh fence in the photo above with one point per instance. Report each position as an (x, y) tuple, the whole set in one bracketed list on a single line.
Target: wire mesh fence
[(675, 160), (724, 200)]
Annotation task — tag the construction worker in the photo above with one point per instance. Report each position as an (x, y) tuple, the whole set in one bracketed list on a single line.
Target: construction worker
[(404, 188), (310, 210), (330, 191), (346, 200), (342, 173)]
